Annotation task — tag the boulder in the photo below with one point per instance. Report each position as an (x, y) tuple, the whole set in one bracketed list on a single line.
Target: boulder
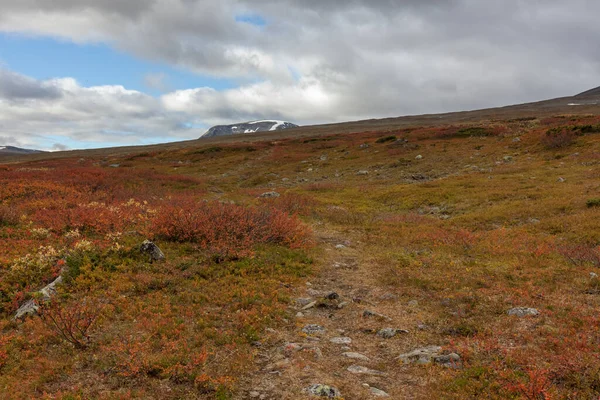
[(152, 250)]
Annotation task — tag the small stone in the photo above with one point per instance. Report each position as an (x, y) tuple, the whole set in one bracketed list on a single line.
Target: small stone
[(507, 158), (323, 391), (369, 313), (423, 355), (304, 301), (332, 296), (356, 356), (299, 315), (342, 304), (523, 311), (364, 146), (341, 340), (362, 172), (419, 157), (593, 275), (517, 139), (413, 303), (268, 195), (561, 179), (388, 333), (378, 392), (254, 394), (360, 370), (312, 329), (340, 246)]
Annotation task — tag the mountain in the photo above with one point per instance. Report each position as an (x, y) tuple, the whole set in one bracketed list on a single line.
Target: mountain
[(248, 127), (11, 150), (591, 92)]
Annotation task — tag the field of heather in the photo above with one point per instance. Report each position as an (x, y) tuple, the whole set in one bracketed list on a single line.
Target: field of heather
[(304, 267)]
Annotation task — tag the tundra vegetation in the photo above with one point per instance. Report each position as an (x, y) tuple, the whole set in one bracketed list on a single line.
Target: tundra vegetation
[(492, 216)]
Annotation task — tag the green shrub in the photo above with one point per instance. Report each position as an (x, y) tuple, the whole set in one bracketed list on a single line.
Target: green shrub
[(386, 139), (593, 203)]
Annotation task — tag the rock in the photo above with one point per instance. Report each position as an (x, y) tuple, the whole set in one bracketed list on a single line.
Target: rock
[(429, 354), (561, 179), (451, 360), (323, 157), (419, 157), (31, 306), (369, 313), (323, 391), (299, 315), (309, 305), (114, 165), (270, 195), (523, 311), (422, 355), (332, 296), (364, 146), (340, 246), (356, 356), (388, 333), (342, 305), (507, 158), (593, 275), (152, 250), (304, 300), (341, 340), (254, 394), (378, 392), (360, 370), (312, 329), (362, 172), (517, 139)]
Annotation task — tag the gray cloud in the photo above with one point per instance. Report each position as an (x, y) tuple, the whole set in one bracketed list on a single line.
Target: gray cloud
[(17, 87), (314, 61)]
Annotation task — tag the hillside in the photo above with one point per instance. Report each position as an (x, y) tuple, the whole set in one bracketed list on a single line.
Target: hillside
[(440, 256)]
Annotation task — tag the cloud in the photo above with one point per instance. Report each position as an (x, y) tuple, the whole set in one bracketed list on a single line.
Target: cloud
[(17, 87), (88, 116), (157, 81), (308, 61)]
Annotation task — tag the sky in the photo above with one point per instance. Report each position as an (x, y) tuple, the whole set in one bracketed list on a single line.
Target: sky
[(99, 73)]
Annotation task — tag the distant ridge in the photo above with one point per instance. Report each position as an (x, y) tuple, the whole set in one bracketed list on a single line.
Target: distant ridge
[(11, 150), (591, 92)]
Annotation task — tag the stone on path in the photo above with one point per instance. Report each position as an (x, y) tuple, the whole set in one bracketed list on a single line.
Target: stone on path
[(388, 333), (359, 369), (523, 311), (356, 356), (312, 329)]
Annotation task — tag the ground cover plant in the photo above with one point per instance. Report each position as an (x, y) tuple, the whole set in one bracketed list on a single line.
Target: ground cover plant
[(442, 230)]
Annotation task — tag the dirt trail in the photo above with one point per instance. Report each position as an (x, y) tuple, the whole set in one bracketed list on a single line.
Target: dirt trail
[(331, 340)]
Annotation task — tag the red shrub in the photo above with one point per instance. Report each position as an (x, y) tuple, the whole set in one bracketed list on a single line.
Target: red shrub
[(228, 230), (558, 137)]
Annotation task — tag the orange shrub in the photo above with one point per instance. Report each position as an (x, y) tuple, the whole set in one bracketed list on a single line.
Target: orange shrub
[(229, 230)]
